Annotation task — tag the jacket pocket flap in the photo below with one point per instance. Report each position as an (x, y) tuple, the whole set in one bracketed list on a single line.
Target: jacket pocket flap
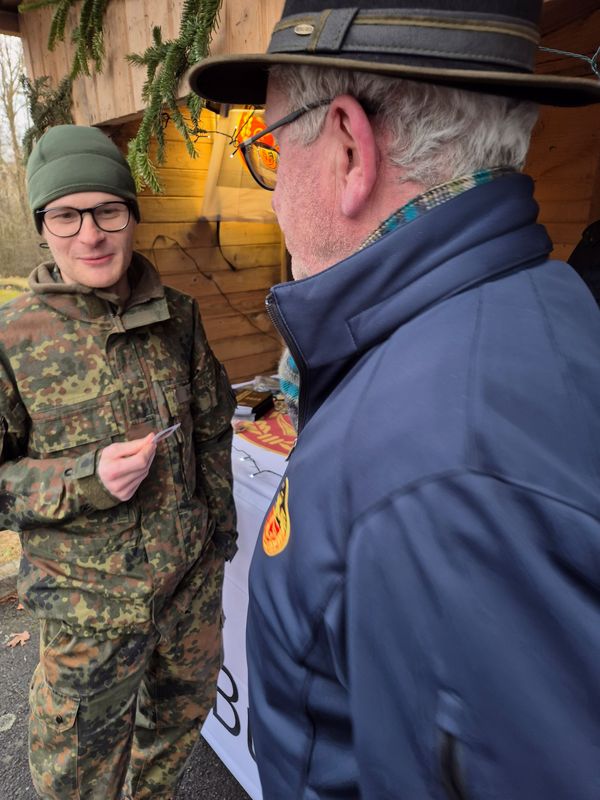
[(73, 426)]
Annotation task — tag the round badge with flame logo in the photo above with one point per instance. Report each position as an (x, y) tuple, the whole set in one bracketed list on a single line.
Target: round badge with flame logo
[(250, 124), (276, 530)]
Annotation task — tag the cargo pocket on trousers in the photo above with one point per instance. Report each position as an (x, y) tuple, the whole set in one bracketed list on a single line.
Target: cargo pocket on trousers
[(52, 738)]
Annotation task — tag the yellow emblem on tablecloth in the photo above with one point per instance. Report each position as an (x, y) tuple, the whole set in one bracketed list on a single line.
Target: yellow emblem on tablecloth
[(276, 531), (273, 432)]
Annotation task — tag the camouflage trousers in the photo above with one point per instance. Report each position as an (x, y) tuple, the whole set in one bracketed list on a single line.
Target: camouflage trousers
[(118, 714)]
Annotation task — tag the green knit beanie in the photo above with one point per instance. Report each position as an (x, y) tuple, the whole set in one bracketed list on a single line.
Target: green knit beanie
[(75, 158)]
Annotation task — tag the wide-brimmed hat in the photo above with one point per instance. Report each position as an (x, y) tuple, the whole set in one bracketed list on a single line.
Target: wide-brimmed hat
[(484, 46)]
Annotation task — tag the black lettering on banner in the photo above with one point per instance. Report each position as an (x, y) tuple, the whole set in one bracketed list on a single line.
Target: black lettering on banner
[(231, 699)]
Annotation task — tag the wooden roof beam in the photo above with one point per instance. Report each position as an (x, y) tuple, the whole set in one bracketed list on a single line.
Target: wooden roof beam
[(9, 23), (556, 14)]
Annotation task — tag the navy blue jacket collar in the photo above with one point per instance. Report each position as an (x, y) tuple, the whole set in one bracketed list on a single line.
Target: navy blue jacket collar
[(330, 319)]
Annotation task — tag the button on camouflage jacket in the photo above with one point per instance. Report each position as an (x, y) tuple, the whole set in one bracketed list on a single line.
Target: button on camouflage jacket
[(77, 373)]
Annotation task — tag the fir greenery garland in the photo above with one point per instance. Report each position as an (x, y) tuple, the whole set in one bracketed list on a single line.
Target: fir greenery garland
[(166, 63), (47, 107), (87, 37)]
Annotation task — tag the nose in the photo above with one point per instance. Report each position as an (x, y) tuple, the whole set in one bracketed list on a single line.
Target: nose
[(90, 232)]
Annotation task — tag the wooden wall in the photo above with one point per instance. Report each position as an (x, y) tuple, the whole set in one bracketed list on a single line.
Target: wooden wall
[(564, 158), (116, 93), (185, 249)]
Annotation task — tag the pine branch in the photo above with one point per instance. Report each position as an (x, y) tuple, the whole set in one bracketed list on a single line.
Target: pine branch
[(166, 63), (46, 108), (59, 21), (142, 168), (23, 8), (88, 36)]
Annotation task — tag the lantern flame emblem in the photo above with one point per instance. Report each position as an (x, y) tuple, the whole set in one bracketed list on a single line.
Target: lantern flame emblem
[(276, 530), (249, 124)]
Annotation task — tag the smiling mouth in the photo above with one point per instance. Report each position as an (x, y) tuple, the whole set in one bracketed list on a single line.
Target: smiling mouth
[(95, 258)]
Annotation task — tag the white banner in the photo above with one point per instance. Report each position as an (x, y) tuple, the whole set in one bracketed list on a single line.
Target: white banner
[(226, 728)]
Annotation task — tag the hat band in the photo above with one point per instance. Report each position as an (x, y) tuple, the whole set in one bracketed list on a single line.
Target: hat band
[(480, 38)]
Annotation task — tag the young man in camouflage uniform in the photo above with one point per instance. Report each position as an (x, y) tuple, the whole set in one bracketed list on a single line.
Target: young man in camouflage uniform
[(124, 538)]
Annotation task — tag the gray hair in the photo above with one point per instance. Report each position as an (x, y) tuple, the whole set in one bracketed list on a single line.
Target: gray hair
[(437, 133)]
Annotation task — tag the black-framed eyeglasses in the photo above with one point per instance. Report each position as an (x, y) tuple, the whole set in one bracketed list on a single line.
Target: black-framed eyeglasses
[(65, 221), (262, 159)]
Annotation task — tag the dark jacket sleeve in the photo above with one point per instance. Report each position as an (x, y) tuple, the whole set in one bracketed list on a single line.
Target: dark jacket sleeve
[(473, 644), (213, 405)]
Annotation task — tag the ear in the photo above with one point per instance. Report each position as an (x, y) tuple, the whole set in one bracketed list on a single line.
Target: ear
[(357, 154)]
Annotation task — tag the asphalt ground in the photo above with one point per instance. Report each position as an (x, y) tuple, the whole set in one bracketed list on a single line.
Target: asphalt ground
[(204, 778)]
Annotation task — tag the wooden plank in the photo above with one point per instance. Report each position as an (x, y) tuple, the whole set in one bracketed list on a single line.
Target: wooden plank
[(564, 153), (29, 43), (563, 190), (557, 14), (46, 60), (563, 128), (209, 259), (117, 72), (557, 211), (236, 233), (562, 252), (195, 234), (204, 234), (170, 20), (137, 22), (167, 209), (86, 101), (563, 160), (250, 345), (234, 325), (565, 232), (246, 368), (160, 14), (216, 305), (176, 155), (246, 280), (571, 170), (179, 183), (581, 37), (560, 241), (246, 26)]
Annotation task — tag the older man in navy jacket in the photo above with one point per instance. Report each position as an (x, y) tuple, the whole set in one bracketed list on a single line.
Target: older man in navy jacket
[(424, 616)]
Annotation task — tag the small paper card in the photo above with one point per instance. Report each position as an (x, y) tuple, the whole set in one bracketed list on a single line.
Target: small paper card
[(166, 432)]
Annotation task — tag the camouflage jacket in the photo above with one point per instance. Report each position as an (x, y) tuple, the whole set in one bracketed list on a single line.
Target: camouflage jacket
[(77, 373)]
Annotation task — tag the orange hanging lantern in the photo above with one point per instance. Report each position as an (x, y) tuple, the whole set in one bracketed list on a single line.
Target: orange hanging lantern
[(250, 124)]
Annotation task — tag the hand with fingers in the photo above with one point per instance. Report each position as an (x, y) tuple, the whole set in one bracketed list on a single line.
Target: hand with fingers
[(124, 465)]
